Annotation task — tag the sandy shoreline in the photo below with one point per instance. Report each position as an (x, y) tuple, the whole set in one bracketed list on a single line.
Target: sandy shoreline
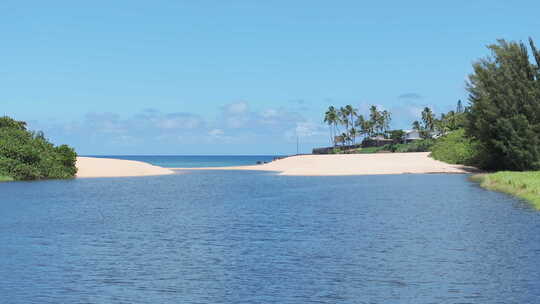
[(302, 165), (107, 167), (353, 164)]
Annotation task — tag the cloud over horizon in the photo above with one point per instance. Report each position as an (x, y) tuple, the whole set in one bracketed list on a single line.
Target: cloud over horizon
[(236, 126), (415, 96)]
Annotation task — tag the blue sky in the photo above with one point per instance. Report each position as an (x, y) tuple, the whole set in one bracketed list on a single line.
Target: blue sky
[(236, 77)]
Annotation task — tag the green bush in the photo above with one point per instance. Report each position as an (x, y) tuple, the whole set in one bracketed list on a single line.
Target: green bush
[(423, 145), (370, 150), (456, 148), (26, 155)]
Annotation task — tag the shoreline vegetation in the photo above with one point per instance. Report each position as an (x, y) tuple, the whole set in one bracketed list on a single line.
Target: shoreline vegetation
[(498, 131), (6, 179), (502, 122), (27, 155), (524, 185)]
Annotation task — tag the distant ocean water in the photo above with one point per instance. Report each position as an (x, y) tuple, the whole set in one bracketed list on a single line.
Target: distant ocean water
[(195, 161)]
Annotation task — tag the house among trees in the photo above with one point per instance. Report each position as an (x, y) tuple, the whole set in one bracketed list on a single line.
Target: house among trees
[(411, 135)]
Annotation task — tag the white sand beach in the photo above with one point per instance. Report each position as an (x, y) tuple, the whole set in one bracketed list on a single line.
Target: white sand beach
[(353, 164), (106, 167), (301, 165)]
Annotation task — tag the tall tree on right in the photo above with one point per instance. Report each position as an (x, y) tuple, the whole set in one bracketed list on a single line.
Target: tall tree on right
[(504, 115)]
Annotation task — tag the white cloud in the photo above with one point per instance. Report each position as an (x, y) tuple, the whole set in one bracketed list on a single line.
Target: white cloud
[(152, 130), (307, 131), (410, 95), (179, 121), (269, 113), (216, 132), (236, 108)]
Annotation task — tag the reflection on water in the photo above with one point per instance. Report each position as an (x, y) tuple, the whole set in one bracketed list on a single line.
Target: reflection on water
[(236, 237)]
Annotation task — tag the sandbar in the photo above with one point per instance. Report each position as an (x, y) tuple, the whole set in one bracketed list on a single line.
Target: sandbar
[(107, 167), (353, 164)]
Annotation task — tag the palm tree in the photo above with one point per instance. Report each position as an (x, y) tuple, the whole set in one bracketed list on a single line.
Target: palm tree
[(345, 138), (343, 114), (362, 125), (331, 118), (428, 118), (352, 113), (446, 123), (353, 133), (386, 117), (375, 120)]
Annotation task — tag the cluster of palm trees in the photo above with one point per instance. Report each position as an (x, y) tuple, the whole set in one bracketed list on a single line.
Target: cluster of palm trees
[(346, 124), (431, 125), (426, 128)]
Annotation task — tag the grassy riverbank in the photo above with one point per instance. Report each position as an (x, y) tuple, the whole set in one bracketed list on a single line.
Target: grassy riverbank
[(5, 179), (525, 185)]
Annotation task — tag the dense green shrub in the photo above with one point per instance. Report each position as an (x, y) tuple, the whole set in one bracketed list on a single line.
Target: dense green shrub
[(371, 150), (26, 155), (455, 148), (423, 145), (505, 105)]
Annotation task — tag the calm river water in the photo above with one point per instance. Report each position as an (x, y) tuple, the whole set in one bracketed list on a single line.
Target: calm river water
[(248, 237)]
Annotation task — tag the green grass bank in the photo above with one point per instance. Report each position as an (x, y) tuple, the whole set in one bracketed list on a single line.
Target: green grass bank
[(525, 185), (5, 179)]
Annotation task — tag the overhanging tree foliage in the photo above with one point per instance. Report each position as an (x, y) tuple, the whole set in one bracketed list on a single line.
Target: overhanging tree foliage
[(26, 155), (504, 116)]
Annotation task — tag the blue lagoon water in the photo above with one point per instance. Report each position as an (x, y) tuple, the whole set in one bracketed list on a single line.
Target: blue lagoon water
[(196, 161), (251, 237)]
